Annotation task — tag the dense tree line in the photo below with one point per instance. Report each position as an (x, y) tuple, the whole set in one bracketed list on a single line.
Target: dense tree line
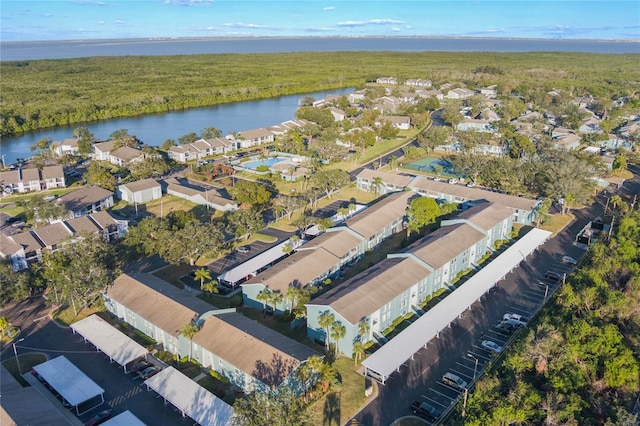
[(87, 89), (578, 363)]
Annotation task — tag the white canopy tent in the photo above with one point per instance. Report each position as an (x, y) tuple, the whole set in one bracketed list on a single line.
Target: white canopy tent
[(71, 383), (398, 350), (126, 418), (117, 346), (190, 398)]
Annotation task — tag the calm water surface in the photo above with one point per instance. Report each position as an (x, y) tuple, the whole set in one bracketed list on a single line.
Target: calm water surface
[(155, 129)]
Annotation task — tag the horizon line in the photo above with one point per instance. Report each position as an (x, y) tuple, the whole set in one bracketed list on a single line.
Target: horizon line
[(248, 37)]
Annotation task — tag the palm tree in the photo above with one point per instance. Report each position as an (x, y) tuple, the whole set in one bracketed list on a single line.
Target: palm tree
[(393, 162), (201, 275), (338, 331), (325, 320), (210, 286), (363, 329), (4, 325), (188, 331), (377, 184), (291, 296), (263, 297), (358, 351), (275, 298)]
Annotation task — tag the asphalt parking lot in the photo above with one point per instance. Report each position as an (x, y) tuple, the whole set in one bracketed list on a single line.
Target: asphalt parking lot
[(122, 391)]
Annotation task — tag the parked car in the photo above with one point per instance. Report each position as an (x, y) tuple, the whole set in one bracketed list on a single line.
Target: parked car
[(19, 224), (515, 317), (148, 372), (437, 179), (425, 409), (139, 366), (243, 249), (454, 381), (99, 418), (491, 346), (553, 276), (568, 260), (471, 184), (505, 327), (453, 181)]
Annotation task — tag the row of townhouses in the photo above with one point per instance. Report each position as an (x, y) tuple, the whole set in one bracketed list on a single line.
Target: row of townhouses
[(252, 356), (25, 248), (398, 285), (27, 180)]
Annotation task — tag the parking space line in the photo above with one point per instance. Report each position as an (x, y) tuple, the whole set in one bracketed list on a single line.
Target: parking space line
[(501, 338), (435, 401), (459, 373), (465, 366), (448, 387), (478, 355)]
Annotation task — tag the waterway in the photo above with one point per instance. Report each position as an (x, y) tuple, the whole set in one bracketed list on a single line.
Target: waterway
[(156, 128), (59, 49)]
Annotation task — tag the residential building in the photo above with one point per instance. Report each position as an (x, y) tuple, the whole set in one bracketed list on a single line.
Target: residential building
[(387, 80), (489, 92), (102, 150), (381, 182), (590, 125), (337, 113), (417, 82), (66, 147), (140, 191), (492, 219), (26, 248), (460, 93), (472, 124), (285, 126), (326, 255), (399, 122), (125, 155), (86, 200), (568, 142), (28, 180), (524, 210), (433, 93), (252, 356), (211, 197), (200, 149), (251, 138)]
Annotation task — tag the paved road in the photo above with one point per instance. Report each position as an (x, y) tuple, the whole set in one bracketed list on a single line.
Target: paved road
[(520, 292)]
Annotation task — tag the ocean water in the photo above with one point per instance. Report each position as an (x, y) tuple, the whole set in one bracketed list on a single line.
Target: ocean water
[(30, 50)]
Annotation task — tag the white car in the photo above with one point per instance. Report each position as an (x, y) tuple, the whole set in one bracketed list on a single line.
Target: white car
[(569, 260), (491, 346), (515, 317), (453, 181)]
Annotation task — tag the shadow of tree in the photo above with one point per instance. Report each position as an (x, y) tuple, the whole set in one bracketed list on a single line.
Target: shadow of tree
[(331, 409), (274, 373)]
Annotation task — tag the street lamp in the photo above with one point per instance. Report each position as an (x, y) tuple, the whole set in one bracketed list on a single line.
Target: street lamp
[(475, 369), (15, 353)]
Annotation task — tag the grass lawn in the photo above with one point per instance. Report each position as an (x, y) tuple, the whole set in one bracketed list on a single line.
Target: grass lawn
[(66, 316), (173, 273), (27, 361), (558, 223), (169, 203), (347, 398)]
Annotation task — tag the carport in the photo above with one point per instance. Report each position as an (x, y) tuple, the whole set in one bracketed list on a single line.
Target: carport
[(190, 398), (256, 264), (126, 418), (106, 338), (397, 351), (71, 383)]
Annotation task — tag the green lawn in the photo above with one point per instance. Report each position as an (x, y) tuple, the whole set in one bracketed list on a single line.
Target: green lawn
[(27, 361)]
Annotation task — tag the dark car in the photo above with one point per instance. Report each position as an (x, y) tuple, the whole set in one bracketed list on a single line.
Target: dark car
[(505, 327), (139, 366), (148, 372), (425, 409), (99, 418), (553, 276)]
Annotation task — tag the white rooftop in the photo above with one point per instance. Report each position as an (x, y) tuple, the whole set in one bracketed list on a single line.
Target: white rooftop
[(251, 266), (191, 398), (126, 418), (398, 350), (109, 340), (67, 379)]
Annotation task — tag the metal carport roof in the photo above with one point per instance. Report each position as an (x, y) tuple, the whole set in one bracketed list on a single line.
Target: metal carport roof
[(116, 345), (190, 398), (398, 350), (126, 418), (71, 383)]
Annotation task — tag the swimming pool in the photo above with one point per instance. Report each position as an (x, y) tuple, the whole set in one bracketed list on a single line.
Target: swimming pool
[(254, 164)]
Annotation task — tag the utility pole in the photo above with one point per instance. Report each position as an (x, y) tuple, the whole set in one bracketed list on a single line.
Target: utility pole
[(15, 353), (464, 404), (613, 219)]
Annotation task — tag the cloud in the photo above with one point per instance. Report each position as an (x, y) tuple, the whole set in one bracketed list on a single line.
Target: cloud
[(370, 22), (188, 2), (100, 22), (92, 3), (329, 8), (245, 25), (395, 29), (119, 21)]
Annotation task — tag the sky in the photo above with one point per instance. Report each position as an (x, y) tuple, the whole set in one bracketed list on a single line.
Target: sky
[(24, 20)]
